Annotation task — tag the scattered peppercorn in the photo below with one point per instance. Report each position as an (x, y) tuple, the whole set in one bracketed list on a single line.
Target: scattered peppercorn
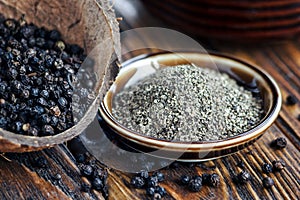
[(205, 179), (144, 174), (85, 187), (57, 177), (185, 179), (160, 190), (137, 182), (41, 162), (97, 184), (214, 180), (160, 176), (243, 177), (150, 191), (241, 164), (87, 170), (80, 158), (278, 165), (279, 143), (268, 182), (195, 184), (152, 181), (291, 100), (267, 168)]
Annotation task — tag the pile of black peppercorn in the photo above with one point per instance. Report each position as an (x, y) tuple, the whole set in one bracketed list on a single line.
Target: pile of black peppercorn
[(37, 76), (150, 183)]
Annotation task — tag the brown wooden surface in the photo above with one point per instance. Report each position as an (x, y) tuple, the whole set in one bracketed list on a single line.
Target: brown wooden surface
[(21, 179)]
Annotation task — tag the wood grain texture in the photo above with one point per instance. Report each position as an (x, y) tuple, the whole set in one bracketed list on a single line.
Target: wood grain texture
[(21, 179)]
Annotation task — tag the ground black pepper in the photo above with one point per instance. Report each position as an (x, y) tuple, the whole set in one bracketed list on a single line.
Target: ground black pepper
[(168, 105)]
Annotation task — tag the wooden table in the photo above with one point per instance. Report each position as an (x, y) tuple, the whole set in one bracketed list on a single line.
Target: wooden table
[(22, 179)]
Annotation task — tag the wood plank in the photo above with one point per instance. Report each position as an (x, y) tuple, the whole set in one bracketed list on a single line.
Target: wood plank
[(21, 179)]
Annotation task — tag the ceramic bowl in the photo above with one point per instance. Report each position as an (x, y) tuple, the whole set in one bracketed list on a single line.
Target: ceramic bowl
[(243, 72)]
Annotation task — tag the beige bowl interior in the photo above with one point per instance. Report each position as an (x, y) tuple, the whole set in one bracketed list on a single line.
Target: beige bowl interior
[(90, 24)]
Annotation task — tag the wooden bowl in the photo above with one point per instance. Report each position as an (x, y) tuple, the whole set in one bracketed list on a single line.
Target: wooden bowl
[(86, 23), (235, 19), (241, 71)]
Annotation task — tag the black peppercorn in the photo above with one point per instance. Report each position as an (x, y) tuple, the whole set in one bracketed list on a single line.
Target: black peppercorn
[(279, 143), (152, 181), (268, 182), (205, 179), (80, 158), (27, 31), (57, 176), (144, 174), (243, 177), (291, 100), (97, 184), (41, 162), (25, 94), (267, 168), (54, 35), (214, 180), (42, 101), (16, 127), (278, 165), (160, 176), (32, 131), (185, 179), (195, 185), (137, 182), (85, 187), (87, 170), (241, 164), (160, 190), (48, 130), (150, 191)]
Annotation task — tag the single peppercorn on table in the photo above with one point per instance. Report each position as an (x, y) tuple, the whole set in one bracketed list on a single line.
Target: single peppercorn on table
[(54, 173)]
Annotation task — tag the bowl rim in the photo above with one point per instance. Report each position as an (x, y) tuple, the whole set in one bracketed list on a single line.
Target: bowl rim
[(226, 143)]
